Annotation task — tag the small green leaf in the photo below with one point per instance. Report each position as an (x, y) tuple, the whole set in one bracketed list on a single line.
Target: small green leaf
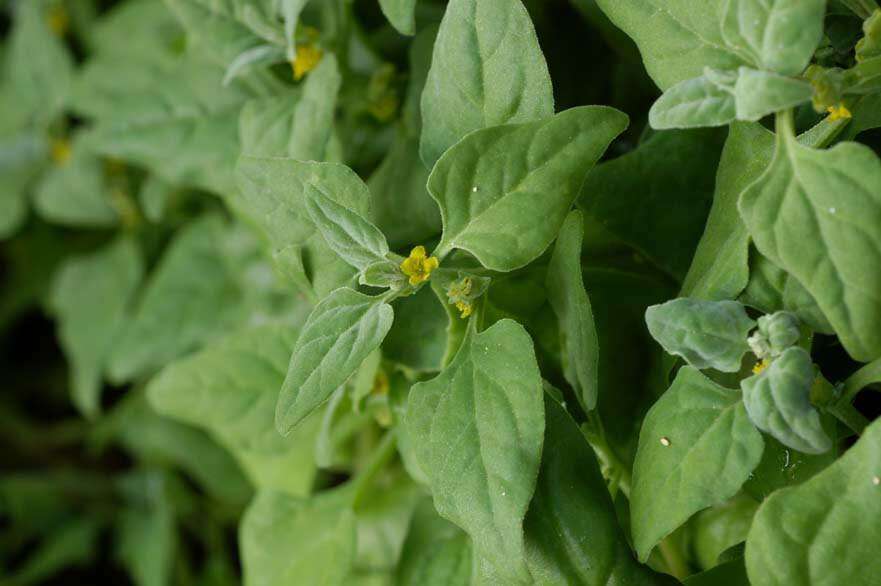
[(340, 333), (693, 103), (90, 298), (814, 214), (490, 400), (707, 334), (401, 13), (290, 14), (382, 273), (759, 93), (493, 184), (696, 449), (569, 300), (471, 83), (778, 402), (287, 540), (346, 232), (822, 530), (776, 35), (719, 528)]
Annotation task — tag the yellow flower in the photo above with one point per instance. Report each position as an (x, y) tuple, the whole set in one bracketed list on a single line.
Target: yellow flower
[(384, 108), (308, 56), (60, 151), (465, 307), (761, 366), (418, 265), (839, 112)]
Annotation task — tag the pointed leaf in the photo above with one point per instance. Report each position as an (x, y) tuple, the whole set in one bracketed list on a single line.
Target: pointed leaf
[(759, 93), (693, 103)]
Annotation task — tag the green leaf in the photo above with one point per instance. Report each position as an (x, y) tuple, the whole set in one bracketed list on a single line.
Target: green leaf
[(290, 14), (493, 184), (819, 530), (694, 103), (696, 449), (340, 333), (231, 389), (401, 13), (656, 197), (296, 123), (782, 466), (719, 528), (569, 300), (146, 533), (436, 552), (383, 273), (676, 40), (71, 544), (778, 402), (490, 400), (190, 297), (759, 93), (487, 69), (22, 157), (572, 531), (90, 298), (771, 289), (38, 66), (260, 55), (286, 540), (720, 268), (272, 195), (777, 35), (707, 334), (813, 213), (75, 193), (346, 232)]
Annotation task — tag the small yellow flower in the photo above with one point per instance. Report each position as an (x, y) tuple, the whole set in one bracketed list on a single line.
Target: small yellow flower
[(761, 366), (465, 307), (839, 112), (384, 108), (60, 151), (418, 265), (308, 56), (57, 20)]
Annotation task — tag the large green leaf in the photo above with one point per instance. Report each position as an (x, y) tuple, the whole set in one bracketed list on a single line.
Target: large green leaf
[(676, 38), (777, 35), (340, 333), (287, 540), (272, 196), (696, 449), (477, 430), (821, 532), (231, 389), (778, 402), (707, 334), (436, 552), (191, 296), (487, 70), (656, 197), (90, 299), (569, 300), (493, 184), (572, 531), (814, 214)]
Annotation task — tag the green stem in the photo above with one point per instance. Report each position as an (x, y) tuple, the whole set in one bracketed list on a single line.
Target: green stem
[(848, 415), (867, 375), (380, 457), (785, 125)]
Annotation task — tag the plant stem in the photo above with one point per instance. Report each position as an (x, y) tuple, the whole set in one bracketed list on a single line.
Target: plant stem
[(848, 415), (380, 457), (870, 373)]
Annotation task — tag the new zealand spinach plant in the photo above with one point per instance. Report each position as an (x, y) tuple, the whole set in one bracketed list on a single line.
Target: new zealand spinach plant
[(399, 292)]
